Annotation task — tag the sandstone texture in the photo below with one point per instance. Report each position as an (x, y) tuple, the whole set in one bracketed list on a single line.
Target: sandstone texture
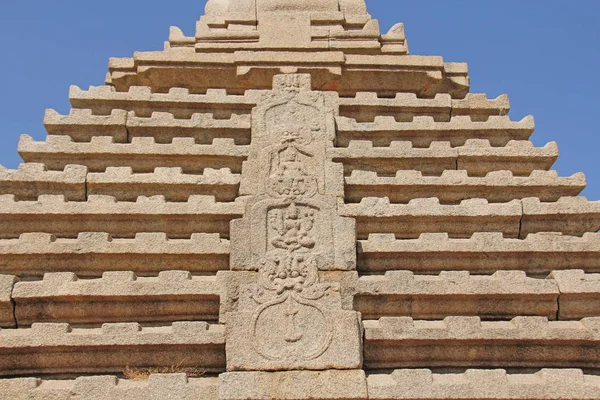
[(288, 205)]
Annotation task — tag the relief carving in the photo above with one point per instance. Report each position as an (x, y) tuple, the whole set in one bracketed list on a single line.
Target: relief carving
[(289, 161), (289, 318)]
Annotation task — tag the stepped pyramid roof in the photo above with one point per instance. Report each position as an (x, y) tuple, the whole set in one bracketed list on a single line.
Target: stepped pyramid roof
[(290, 206)]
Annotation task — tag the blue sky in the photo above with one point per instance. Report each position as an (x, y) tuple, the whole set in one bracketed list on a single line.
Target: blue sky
[(544, 54)]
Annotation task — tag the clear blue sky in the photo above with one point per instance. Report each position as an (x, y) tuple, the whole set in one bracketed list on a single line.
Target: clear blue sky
[(544, 54)]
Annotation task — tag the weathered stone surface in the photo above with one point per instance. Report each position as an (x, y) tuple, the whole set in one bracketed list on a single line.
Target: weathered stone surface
[(122, 126), (117, 297), (362, 156), (82, 125), (407, 221), (32, 180), (335, 252), (167, 386), (291, 231), (401, 384), (7, 307), (143, 154), (479, 107), (178, 101), (294, 385), (91, 254), (365, 106), (328, 339), (531, 342), (455, 186), (483, 253), (301, 330), (172, 183), (64, 219), (394, 42), (294, 128), (204, 128), (579, 294), (478, 157), (58, 348), (504, 295), (351, 73), (547, 384), (318, 25), (569, 215), (499, 130), (231, 282)]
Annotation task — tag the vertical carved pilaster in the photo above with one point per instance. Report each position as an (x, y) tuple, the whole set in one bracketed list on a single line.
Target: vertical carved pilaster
[(291, 231)]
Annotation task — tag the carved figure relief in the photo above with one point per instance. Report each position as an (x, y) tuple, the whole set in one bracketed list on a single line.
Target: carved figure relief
[(292, 225), (289, 272), (288, 162)]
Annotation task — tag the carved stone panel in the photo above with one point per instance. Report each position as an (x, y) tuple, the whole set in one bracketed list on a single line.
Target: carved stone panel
[(283, 232), (293, 211), (291, 129), (303, 328), (291, 230)]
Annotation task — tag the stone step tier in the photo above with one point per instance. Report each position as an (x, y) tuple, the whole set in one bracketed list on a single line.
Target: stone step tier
[(482, 253), (422, 131), (178, 101), (117, 297), (32, 180), (122, 219), (385, 74), (111, 387), (524, 342), (365, 106), (503, 295), (82, 125), (476, 156), (405, 384), (390, 342), (61, 349), (91, 254), (121, 296), (143, 154), (342, 27), (455, 186), (515, 219), (407, 221), (547, 384), (172, 183)]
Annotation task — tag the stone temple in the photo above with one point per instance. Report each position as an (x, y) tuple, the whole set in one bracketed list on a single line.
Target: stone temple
[(290, 206)]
